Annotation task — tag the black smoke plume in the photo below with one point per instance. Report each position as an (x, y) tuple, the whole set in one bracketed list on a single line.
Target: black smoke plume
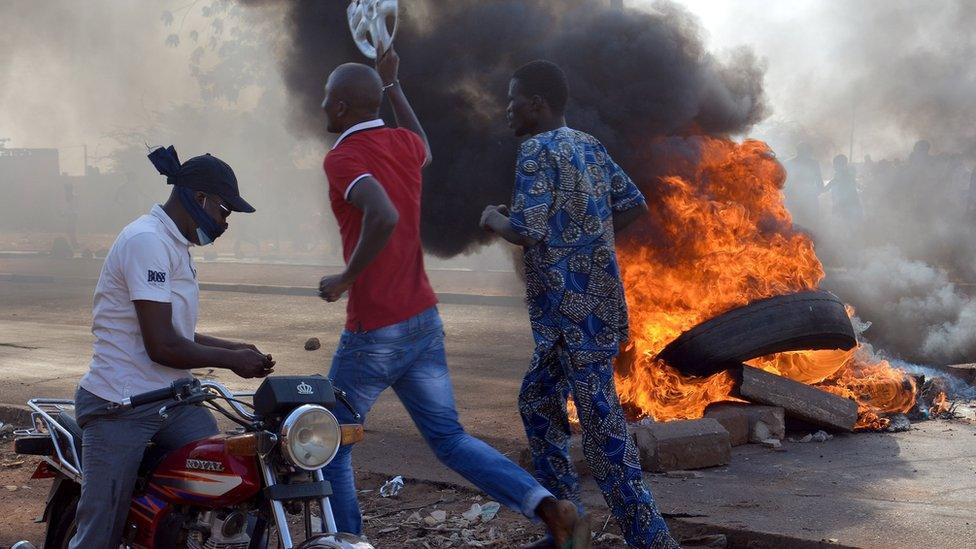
[(633, 76)]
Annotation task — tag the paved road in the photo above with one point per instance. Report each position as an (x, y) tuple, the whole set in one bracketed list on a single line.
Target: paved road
[(486, 283), (910, 489), (45, 345)]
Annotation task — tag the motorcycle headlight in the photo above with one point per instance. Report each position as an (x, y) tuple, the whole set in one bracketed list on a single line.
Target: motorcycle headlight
[(310, 437)]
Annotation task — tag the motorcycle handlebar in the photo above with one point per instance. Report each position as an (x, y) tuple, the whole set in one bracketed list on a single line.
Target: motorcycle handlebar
[(146, 398), (180, 387)]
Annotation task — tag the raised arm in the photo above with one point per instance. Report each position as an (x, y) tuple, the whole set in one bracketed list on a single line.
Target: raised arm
[(388, 65)]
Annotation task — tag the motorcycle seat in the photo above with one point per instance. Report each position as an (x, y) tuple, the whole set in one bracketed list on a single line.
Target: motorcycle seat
[(67, 420)]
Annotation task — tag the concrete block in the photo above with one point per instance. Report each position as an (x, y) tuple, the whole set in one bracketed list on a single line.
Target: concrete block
[(763, 422), (681, 445), (800, 401), (575, 456), (733, 418)]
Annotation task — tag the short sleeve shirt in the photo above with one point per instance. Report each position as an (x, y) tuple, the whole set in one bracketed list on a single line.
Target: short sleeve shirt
[(566, 190), (149, 261), (394, 287)]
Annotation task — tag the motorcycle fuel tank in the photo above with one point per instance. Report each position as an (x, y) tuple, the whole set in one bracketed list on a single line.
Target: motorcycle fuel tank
[(204, 474)]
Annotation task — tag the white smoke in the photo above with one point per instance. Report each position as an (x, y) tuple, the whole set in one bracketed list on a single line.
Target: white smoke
[(874, 77), (917, 312)]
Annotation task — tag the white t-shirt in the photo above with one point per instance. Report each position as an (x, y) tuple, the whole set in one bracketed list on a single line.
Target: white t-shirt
[(149, 261)]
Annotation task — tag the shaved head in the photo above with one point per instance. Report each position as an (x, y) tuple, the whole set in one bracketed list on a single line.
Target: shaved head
[(358, 86)]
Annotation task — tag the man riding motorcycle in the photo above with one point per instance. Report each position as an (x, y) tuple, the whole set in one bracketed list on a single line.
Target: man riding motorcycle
[(144, 321)]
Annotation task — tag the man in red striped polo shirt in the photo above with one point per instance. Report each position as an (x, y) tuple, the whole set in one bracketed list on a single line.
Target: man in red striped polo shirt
[(393, 335)]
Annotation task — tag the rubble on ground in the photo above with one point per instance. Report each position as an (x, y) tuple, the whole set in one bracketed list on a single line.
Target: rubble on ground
[(312, 344), (432, 516)]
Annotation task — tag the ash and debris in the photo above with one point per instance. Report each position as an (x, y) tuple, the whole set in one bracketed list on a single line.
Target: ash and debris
[(941, 396), (899, 423), (819, 436), (434, 515)]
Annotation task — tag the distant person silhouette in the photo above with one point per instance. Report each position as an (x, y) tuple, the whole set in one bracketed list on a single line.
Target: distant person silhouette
[(804, 185), (845, 201)]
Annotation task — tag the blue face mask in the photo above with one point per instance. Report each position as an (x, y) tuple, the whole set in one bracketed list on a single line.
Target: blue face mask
[(208, 229), (202, 237)]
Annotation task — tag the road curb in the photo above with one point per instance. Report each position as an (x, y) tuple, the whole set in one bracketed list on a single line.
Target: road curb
[(447, 298), (18, 416)]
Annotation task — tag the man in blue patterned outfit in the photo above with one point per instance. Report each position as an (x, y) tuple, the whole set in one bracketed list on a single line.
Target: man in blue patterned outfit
[(569, 200)]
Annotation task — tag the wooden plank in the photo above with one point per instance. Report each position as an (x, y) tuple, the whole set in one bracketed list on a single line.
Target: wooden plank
[(800, 401)]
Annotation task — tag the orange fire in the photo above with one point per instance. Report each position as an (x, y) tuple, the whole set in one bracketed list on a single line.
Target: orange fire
[(723, 238), (940, 405)]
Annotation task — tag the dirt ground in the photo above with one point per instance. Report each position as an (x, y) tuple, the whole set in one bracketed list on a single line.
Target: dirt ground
[(389, 522), (21, 499), (882, 490)]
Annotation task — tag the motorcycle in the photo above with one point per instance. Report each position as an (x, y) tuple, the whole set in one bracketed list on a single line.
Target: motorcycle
[(227, 491)]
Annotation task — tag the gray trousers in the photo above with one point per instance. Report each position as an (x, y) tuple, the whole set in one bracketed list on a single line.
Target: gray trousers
[(113, 446)]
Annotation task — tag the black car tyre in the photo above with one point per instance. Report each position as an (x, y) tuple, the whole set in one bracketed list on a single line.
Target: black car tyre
[(795, 322)]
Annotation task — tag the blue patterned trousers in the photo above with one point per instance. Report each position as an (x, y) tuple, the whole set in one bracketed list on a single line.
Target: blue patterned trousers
[(609, 450)]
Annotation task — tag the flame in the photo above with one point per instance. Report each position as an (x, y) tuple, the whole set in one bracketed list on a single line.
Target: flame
[(571, 412), (722, 238), (940, 405)]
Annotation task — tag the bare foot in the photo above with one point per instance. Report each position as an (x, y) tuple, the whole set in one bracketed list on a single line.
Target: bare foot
[(562, 521)]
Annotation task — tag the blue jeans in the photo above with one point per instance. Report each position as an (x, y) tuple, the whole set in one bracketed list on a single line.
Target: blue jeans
[(409, 356)]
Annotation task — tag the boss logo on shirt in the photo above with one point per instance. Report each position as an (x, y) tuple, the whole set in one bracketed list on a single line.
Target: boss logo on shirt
[(157, 276)]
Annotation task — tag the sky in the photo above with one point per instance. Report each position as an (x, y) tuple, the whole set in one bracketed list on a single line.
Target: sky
[(74, 73)]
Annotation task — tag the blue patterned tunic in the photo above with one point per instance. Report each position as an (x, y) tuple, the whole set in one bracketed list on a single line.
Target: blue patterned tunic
[(566, 190)]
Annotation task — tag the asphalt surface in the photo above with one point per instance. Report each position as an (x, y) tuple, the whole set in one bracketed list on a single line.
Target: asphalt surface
[(914, 489)]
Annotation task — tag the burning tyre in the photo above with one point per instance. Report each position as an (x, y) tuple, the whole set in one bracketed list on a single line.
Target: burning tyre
[(802, 321)]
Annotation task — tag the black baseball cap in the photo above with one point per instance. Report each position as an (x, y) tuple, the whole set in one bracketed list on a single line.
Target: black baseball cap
[(209, 174)]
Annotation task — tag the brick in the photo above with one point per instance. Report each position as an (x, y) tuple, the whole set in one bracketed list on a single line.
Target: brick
[(799, 401), (575, 456), (681, 445)]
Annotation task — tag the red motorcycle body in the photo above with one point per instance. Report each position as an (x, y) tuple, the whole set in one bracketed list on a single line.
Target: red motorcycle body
[(201, 474)]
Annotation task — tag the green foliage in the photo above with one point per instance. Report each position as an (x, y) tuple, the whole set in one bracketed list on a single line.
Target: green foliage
[(233, 51)]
